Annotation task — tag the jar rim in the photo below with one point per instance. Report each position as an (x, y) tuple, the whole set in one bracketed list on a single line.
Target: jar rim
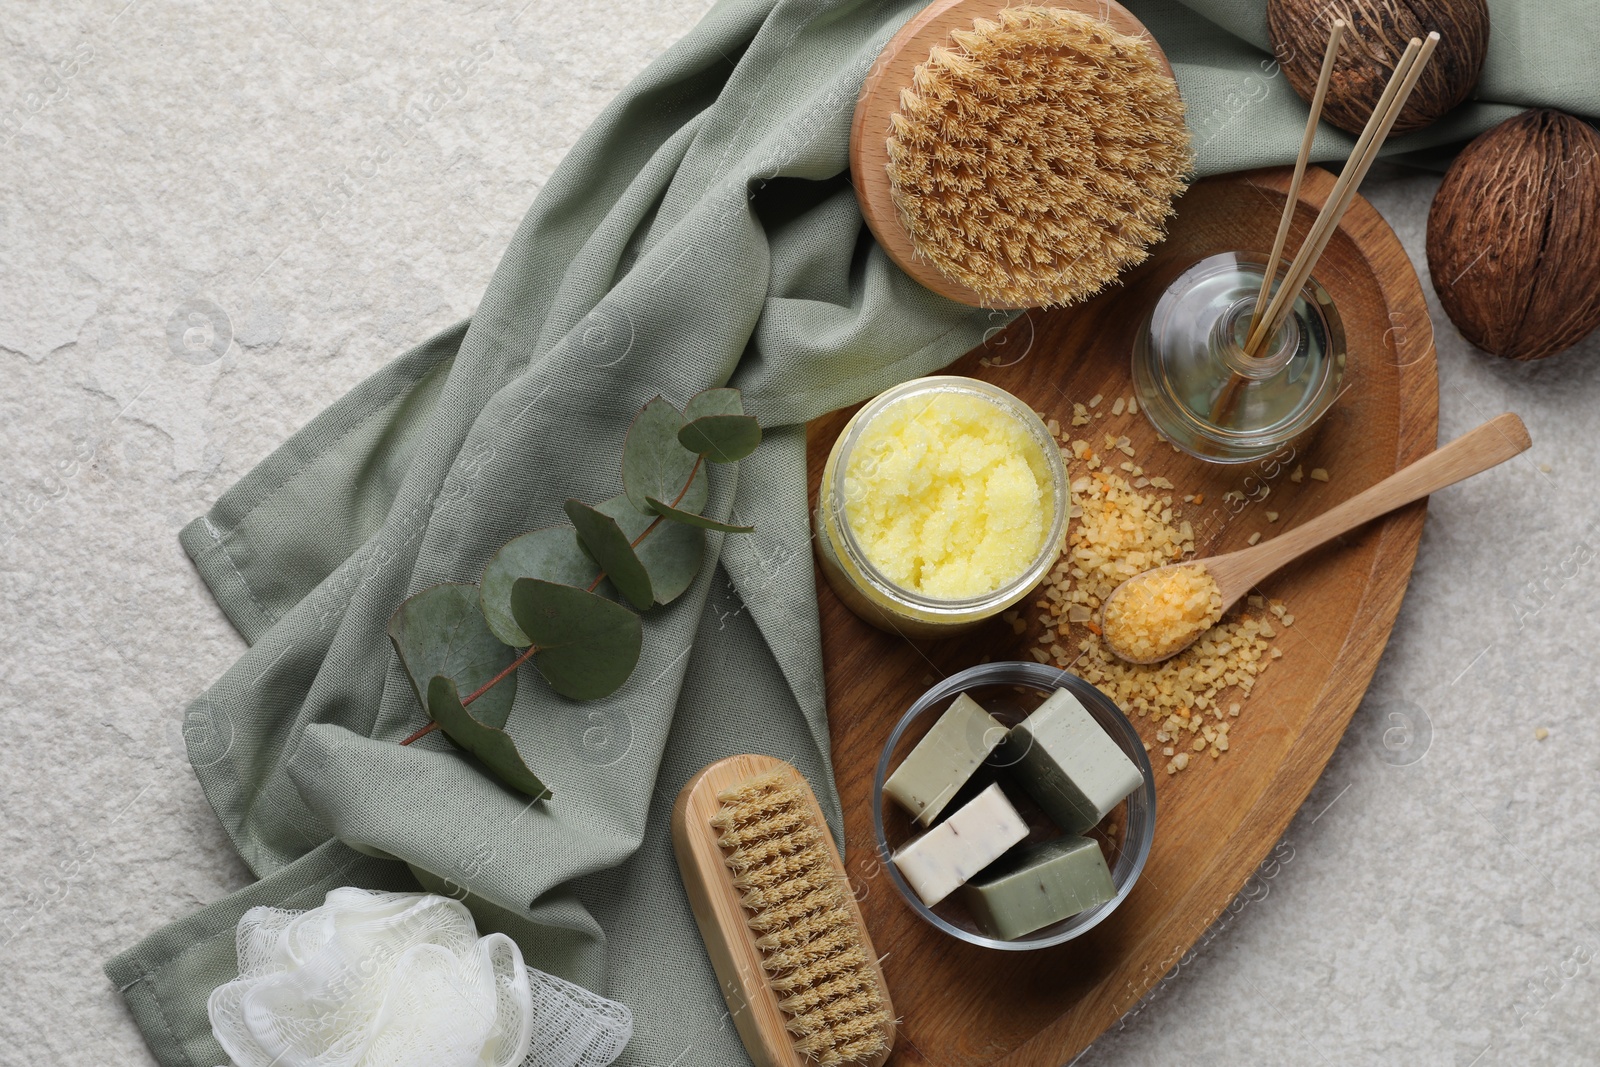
[(846, 541)]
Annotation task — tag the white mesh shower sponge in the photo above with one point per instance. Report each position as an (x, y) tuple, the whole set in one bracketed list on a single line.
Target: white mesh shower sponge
[(401, 980)]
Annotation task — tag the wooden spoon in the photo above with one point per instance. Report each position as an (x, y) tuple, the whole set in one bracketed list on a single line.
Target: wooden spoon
[(1236, 573)]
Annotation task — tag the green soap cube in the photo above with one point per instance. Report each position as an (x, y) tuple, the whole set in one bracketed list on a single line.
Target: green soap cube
[(1069, 764), (945, 758), (1048, 883)]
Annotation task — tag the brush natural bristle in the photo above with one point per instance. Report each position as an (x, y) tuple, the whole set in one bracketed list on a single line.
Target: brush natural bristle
[(796, 905), (1039, 157)]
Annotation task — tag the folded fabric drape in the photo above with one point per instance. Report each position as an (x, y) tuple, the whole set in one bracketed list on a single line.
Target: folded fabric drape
[(702, 232)]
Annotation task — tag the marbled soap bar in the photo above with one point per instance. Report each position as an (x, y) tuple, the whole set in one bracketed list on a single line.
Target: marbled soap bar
[(944, 759), (937, 862), (1069, 764), (1048, 883)]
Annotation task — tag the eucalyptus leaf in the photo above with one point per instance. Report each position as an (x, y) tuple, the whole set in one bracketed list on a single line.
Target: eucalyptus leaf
[(714, 402), (655, 464), (551, 553), (672, 553), (492, 745), (721, 438), (588, 645), (691, 519), (609, 546), (442, 631)]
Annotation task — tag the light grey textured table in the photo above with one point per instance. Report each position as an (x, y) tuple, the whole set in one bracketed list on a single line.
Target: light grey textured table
[(164, 168)]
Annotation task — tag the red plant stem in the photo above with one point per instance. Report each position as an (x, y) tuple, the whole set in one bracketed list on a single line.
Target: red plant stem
[(492, 682), (496, 679), (531, 649), (478, 692), (420, 734), (657, 520), (681, 492)]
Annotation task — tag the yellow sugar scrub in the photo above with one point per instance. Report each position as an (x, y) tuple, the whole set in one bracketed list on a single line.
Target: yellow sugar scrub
[(946, 494), (942, 503), (1160, 612)]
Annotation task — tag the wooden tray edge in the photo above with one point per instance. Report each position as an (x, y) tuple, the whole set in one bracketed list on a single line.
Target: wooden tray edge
[(1400, 536)]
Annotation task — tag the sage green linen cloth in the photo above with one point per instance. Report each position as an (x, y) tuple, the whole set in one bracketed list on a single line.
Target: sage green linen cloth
[(702, 232)]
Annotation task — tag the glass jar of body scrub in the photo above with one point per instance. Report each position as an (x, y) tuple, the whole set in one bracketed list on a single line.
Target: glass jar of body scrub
[(943, 502), (1205, 394)]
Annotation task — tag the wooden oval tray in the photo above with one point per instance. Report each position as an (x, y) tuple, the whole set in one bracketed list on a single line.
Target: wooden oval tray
[(962, 1006)]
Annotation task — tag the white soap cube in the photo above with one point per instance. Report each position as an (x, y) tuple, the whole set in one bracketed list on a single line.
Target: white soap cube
[(941, 860)]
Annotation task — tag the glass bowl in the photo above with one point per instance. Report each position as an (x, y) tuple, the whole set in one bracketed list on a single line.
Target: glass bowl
[(1009, 691)]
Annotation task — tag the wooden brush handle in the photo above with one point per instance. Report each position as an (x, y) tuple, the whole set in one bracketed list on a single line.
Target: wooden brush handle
[(1487, 446)]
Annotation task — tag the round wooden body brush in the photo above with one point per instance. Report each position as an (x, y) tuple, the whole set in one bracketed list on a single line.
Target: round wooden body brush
[(1019, 156)]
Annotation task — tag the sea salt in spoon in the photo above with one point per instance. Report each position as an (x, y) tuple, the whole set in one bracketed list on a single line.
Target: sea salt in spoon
[(1183, 600)]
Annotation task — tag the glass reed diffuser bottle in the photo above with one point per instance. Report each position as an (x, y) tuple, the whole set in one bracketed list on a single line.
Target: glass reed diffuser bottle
[(1205, 393)]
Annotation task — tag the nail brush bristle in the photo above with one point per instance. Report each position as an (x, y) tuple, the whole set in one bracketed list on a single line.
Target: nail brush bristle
[(809, 937)]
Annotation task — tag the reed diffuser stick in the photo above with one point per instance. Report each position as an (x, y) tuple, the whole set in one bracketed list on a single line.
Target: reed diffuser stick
[(1365, 153), (1343, 182), (1222, 407), (1313, 120)]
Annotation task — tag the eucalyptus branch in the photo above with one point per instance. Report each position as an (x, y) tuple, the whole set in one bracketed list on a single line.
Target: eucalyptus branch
[(529, 652), (532, 604), (421, 733)]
